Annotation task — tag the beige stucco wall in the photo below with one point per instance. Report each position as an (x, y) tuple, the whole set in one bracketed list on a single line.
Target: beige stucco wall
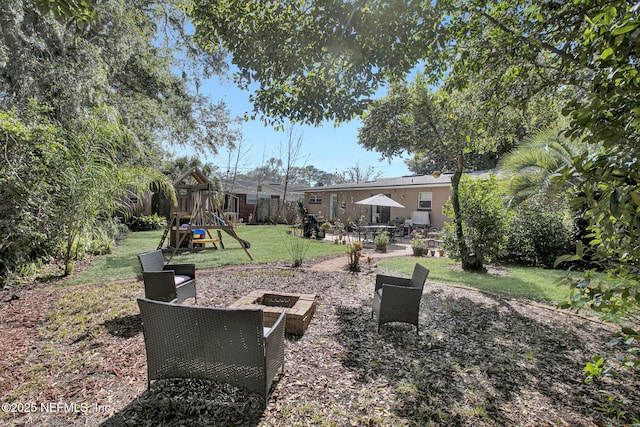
[(405, 196)]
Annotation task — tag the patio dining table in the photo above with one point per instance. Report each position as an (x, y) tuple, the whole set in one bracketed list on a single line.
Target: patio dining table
[(374, 229)]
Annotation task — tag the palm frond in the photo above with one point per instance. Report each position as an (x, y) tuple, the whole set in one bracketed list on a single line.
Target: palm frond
[(531, 165)]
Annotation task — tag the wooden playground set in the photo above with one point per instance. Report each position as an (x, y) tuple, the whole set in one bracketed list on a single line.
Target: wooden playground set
[(198, 219)]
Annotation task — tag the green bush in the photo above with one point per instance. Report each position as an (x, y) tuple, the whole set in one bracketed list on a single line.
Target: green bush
[(484, 219), (101, 238), (146, 222), (539, 233), (30, 227)]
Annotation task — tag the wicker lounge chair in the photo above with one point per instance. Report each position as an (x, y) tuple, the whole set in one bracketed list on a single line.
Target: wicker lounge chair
[(171, 282), (220, 344), (397, 299)]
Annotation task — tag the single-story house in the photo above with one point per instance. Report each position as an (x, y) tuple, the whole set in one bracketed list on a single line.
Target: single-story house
[(256, 202), (422, 196)]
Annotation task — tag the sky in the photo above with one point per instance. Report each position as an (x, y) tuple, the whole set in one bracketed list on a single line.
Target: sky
[(328, 148)]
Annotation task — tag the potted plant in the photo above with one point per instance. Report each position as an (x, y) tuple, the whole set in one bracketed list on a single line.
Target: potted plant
[(418, 244), (381, 241)]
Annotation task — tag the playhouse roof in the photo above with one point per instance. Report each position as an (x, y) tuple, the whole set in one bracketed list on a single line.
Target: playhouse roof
[(199, 177)]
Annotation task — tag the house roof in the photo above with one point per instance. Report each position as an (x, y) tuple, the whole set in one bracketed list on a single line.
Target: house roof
[(239, 186), (381, 183), (246, 186), (444, 180), (279, 186)]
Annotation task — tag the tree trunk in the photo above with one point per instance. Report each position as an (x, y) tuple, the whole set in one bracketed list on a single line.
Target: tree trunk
[(282, 203), (470, 261)]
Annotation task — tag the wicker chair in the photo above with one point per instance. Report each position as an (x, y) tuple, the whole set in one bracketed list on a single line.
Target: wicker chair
[(171, 282), (397, 299), (220, 344)]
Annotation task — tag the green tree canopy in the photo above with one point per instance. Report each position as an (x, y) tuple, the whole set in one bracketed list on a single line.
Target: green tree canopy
[(454, 126), (315, 60), (89, 94), (484, 218), (126, 58)]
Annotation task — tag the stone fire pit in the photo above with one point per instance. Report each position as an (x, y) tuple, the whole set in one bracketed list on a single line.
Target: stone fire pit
[(299, 308)]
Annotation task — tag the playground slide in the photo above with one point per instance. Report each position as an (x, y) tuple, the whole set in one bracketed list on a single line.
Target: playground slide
[(245, 243), (229, 229)]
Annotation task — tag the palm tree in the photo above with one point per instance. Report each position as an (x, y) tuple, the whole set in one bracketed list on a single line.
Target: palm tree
[(532, 166)]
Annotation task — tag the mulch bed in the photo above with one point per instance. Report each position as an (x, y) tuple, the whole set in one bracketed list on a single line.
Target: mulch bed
[(479, 360)]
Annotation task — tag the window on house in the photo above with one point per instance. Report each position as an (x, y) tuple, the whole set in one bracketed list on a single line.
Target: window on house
[(424, 200), (315, 199), (252, 199)]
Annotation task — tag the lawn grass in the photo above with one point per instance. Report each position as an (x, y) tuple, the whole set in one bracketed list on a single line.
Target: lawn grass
[(518, 282), (269, 243)]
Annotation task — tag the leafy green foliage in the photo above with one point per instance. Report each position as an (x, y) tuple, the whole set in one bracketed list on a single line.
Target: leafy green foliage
[(88, 94), (121, 59), (102, 237), (441, 125), (146, 222), (60, 187), (81, 10), (595, 368), (534, 165), (539, 232), (313, 61), (608, 195), (93, 183), (484, 219), (27, 218), (609, 47), (354, 253)]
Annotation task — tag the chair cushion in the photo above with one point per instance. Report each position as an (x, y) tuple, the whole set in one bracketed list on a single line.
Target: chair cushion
[(179, 278)]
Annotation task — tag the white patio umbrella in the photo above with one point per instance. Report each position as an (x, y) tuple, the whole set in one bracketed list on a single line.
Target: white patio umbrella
[(380, 200)]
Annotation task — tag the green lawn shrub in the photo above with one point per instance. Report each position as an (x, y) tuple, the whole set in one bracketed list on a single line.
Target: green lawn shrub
[(540, 232), (146, 222)]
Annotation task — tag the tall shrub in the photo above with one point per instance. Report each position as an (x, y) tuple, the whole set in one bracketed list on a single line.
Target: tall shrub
[(58, 187), (29, 143), (539, 233), (484, 219)]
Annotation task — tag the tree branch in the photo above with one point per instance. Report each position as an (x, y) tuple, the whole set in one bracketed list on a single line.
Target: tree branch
[(559, 52)]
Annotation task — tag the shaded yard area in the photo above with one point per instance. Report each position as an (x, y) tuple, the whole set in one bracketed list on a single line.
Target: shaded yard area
[(479, 360)]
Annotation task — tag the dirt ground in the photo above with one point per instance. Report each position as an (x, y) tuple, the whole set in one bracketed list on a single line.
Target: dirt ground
[(76, 357)]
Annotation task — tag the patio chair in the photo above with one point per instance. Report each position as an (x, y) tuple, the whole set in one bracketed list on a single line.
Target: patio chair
[(227, 345), (397, 299), (171, 282)]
